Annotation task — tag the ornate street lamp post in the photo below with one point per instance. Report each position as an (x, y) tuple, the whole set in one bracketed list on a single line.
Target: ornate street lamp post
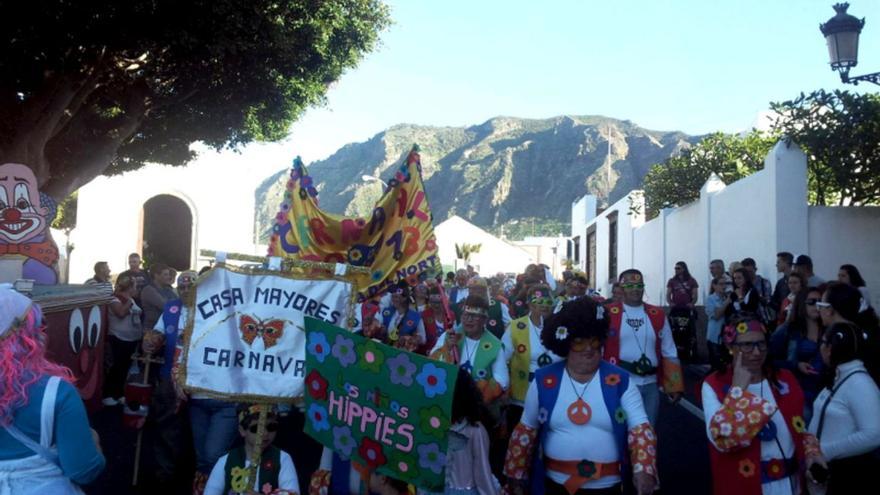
[(842, 35)]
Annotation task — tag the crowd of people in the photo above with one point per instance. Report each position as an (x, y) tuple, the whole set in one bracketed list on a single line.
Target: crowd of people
[(558, 389)]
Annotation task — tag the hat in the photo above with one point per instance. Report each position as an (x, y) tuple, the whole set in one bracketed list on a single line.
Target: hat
[(803, 260), (13, 308)]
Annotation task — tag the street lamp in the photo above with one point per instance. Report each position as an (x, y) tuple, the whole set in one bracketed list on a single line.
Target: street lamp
[(371, 178), (842, 35)]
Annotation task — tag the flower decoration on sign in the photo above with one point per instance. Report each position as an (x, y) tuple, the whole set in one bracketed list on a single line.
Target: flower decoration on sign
[(316, 385), (432, 378), (746, 468), (430, 457), (561, 332), (405, 464), (371, 452), (434, 422), (612, 379), (318, 346), (318, 417), (401, 370), (343, 441), (343, 350)]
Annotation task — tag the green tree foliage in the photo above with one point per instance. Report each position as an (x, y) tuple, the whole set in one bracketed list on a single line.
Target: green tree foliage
[(678, 180), (840, 132), (88, 88), (65, 219), (464, 251)]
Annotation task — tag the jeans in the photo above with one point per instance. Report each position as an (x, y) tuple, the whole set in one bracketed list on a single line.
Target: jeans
[(651, 399), (214, 428), (120, 359)]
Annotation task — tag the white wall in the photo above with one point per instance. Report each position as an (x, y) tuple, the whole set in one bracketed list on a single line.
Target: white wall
[(756, 217), (109, 212), (846, 235)]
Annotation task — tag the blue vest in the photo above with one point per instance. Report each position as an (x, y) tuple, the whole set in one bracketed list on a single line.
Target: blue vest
[(547, 401), (170, 323), (408, 324)]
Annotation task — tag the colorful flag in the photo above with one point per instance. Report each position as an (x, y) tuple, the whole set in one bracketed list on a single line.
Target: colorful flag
[(396, 242)]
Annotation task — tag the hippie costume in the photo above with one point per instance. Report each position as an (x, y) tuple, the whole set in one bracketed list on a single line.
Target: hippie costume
[(46, 444), (605, 414), (498, 316), (755, 433), (640, 341)]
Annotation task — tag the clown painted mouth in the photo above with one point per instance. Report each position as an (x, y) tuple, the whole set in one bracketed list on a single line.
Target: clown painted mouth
[(16, 227)]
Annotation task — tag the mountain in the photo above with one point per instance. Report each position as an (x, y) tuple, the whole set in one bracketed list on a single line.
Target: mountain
[(508, 171)]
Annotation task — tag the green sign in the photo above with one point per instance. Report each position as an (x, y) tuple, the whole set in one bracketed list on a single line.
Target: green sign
[(384, 408)]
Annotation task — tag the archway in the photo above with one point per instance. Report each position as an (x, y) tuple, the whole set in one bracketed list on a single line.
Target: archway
[(168, 231)]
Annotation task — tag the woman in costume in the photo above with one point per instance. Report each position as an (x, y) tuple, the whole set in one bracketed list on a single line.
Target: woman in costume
[(845, 420), (583, 398), (523, 349), (436, 317), (402, 322), (754, 419), (46, 445)]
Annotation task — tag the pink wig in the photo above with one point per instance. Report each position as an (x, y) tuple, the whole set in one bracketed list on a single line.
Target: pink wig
[(23, 362)]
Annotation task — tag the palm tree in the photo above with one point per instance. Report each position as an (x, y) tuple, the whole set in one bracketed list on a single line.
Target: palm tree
[(465, 250)]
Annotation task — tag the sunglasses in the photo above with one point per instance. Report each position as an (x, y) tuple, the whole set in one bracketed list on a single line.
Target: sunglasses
[(270, 427), (748, 347), (632, 286), (542, 301), (811, 301), (820, 304)]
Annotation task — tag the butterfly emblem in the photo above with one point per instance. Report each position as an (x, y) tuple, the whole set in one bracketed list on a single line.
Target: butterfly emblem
[(269, 330)]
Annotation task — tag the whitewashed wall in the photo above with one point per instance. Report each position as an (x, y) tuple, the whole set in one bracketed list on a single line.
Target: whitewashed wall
[(495, 254), (109, 212), (756, 217)]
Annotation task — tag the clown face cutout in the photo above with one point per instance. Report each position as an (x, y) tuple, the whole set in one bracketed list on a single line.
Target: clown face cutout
[(75, 339), (25, 216)]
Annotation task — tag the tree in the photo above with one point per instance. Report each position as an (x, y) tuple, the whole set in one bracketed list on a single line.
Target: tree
[(840, 132), (65, 221), (677, 181), (464, 251), (90, 88)]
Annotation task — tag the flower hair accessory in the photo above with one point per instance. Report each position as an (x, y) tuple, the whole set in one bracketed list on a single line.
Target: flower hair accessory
[(561, 332), (733, 329)]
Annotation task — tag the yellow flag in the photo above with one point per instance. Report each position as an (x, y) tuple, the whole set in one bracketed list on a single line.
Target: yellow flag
[(396, 243)]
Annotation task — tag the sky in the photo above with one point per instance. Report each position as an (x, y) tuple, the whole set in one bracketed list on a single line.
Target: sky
[(695, 66)]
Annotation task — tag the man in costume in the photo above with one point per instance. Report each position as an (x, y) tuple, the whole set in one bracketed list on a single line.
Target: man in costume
[(459, 292), (498, 317), (640, 341), (477, 351), (753, 419), (584, 429), (523, 349)]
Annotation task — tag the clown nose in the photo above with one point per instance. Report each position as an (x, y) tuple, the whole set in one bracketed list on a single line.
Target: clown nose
[(11, 215)]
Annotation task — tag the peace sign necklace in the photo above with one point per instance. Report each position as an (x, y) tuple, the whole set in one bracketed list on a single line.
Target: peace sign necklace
[(469, 354), (544, 359), (579, 412), (643, 365)]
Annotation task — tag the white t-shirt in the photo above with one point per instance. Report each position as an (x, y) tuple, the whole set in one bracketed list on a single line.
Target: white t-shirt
[(769, 449), (499, 367), (595, 440), (637, 337), (128, 327), (287, 479)]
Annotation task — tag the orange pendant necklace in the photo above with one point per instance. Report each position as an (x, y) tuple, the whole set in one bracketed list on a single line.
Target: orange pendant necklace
[(579, 412)]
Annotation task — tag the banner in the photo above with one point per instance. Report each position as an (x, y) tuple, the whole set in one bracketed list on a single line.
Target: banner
[(245, 337), (385, 408), (397, 242)]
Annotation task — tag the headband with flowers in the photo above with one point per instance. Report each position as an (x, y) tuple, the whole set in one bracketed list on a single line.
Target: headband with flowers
[(741, 327)]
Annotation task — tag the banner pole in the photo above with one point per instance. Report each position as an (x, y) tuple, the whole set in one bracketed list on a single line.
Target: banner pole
[(137, 449), (257, 453)]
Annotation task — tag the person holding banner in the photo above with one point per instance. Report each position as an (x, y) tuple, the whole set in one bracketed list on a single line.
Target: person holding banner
[(437, 317), (524, 351), (586, 399), (276, 473), (403, 323), (477, 351)]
